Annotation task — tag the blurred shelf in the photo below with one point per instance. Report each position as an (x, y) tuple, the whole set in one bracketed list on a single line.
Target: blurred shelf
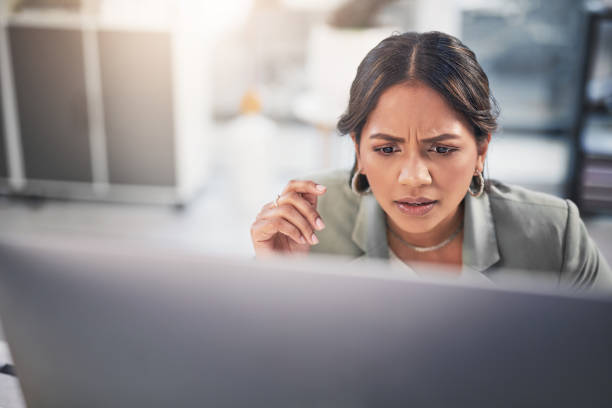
[(590, 182), (99, 112), (597, 135), (596, 192)]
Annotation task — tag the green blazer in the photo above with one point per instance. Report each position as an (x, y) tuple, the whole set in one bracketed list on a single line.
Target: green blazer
[(506, 230)]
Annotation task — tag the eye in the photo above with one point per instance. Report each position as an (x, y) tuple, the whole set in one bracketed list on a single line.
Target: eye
[(442, 150), (385, 150)]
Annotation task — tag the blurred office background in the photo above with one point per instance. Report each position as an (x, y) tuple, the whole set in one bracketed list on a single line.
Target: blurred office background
[(174, 121)]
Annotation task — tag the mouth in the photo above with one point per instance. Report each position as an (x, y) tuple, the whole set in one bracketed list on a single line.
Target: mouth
[(415, 206)]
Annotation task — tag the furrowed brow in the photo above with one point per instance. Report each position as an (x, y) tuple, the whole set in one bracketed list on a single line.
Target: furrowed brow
[(439, 138), (384, 136)]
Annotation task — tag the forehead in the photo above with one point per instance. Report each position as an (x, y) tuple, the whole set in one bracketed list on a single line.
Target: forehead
[(415, 107)]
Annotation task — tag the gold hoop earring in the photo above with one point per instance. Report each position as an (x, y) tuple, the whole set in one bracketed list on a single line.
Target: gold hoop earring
[(356, 181), (480, 182)]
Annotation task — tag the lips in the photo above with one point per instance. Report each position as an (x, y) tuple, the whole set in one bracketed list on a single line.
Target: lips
[(417, 206)]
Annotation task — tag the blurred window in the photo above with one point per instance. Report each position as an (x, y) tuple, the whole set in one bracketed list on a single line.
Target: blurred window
[(531, 50)]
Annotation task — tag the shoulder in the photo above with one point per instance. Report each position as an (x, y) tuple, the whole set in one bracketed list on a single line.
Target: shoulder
[(338, 208), (529, 226), (522, 216), (544, 232), (524, 208), (508, 196)]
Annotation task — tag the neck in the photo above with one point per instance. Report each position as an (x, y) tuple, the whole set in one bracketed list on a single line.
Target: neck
[(433, 237)]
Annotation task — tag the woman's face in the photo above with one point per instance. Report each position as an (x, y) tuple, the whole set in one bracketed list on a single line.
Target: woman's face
[(419, 156)]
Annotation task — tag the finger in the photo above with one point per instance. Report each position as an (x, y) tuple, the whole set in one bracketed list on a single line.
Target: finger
[(305, 186), (289, 213), (261, 230), (267, 206), (265, 229), (310, 198), (304, 207), (309, 190), (290, 230)]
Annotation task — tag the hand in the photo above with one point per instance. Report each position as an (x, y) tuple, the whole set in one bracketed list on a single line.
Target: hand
[(288, 224)]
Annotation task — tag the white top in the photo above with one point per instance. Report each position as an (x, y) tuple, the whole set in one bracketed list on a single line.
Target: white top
[(467, 275)]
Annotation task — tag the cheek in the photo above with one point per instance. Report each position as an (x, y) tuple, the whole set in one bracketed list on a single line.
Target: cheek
[(367, 162), (454, 177), (376, 167), (379, 173), (458, 167)]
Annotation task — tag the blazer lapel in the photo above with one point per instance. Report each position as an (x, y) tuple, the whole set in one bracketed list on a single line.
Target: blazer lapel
[(370, 230), (480, 250)]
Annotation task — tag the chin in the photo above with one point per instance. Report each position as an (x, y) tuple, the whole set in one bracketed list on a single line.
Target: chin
[(415, 225)]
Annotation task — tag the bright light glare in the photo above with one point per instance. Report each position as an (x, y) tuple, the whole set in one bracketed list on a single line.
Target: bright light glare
[(214, 17)]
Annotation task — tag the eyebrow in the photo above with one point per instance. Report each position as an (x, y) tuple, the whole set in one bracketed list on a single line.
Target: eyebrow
[(444, 136), (390, 138), (439, 138)]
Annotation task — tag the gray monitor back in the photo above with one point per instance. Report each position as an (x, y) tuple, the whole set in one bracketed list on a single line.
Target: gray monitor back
[(114, 326)]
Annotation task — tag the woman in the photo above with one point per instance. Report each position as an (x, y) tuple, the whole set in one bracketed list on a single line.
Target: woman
[(421, 117)]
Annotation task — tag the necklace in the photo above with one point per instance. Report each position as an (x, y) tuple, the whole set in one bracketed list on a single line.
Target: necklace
[(430, 248)]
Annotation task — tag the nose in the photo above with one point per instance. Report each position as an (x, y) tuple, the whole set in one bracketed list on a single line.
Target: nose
[(414, 172)]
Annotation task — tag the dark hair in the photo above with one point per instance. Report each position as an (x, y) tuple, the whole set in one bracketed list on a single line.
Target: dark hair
[(438, 60)]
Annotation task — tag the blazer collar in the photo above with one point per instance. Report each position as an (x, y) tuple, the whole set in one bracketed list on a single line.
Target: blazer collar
[(480, 250), (370, 230)]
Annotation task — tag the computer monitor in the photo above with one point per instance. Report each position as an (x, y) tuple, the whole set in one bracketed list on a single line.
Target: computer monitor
[(94, 324)]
